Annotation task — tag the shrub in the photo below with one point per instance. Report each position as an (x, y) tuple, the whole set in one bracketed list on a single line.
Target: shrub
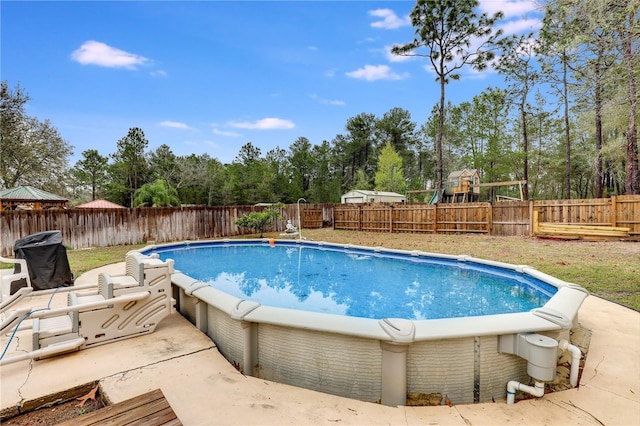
[(259, 221)]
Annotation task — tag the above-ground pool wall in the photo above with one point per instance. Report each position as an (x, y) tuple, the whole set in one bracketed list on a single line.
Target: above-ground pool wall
[(228, 335), (467, 370), (497, 369), (332, 363)]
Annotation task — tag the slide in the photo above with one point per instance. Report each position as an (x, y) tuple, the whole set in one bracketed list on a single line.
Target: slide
[(434, 199)]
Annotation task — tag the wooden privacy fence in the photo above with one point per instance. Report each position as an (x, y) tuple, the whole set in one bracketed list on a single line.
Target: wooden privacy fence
[(416, 218), (83, 228), (501, 219)]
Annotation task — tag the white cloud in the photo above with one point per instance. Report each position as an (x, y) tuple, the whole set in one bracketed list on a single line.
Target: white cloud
[(263, 124), (226, 133), (520, 26), (510, 8), (96, 53), (327, 101), (330, 73), (174, 125), (312, 47), (336, 102), (388, 19), (367, 40), (159, 73), (201, 143), (376, 72)]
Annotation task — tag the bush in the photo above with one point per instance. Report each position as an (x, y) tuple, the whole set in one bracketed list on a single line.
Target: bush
[(259, 221)]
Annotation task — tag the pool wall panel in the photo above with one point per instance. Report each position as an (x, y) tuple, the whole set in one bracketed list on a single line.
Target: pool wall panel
[(332, 363), (227, 334), (442, 366), (497, 369)]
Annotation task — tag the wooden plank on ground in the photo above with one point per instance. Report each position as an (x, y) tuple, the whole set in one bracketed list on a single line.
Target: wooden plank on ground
[(150, 408), (606, 231)]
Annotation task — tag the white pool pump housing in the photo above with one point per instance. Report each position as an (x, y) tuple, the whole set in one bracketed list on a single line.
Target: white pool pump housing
[(541, 353)]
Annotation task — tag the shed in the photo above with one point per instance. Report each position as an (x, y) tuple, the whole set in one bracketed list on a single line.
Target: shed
[(364, 196), (100, 204), (30, 198)]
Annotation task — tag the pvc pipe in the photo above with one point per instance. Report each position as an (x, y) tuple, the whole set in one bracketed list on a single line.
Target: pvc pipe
[(53, 349), (513, 386), (575, 360)]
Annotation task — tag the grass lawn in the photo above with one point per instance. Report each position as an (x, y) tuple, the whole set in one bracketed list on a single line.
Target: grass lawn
[(609, 269)]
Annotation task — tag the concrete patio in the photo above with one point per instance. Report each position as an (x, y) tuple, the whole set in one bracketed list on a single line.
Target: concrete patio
[(204, 389)]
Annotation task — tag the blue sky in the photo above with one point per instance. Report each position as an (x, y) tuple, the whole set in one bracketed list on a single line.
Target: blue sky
[(208, 77)]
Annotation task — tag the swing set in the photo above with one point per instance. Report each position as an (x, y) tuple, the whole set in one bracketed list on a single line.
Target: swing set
[(509, 185)]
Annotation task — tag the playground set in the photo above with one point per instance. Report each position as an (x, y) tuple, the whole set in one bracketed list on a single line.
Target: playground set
[(463, 186)]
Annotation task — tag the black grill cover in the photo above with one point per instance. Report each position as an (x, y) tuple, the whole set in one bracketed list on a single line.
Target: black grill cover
[(46, 260)]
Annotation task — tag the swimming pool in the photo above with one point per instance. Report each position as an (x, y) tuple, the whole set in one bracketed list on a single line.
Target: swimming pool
[(299, 320)]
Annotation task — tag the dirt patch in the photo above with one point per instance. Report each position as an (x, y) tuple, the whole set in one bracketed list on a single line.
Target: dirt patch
[(54, 415), (58, 408)]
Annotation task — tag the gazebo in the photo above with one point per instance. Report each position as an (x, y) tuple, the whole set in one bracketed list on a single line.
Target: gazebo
[(30, 198)]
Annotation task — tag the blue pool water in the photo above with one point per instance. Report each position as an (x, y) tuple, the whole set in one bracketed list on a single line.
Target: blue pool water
[(357, 282)]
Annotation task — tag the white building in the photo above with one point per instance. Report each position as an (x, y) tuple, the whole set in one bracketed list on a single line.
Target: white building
[(362, 196)]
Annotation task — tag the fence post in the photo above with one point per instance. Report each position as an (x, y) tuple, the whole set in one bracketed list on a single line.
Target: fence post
[(360, 213), (614, 212), (333, 217), (390, 218), (531, 218), (490, 218), (435, 218)]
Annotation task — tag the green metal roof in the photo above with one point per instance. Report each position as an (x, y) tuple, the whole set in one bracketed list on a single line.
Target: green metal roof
[(29, 193)]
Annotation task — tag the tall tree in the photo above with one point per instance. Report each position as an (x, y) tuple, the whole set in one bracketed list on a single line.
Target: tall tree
[(556, 53), (516, 62), (278, 174), (361, 181), (325, 186), (163, 164), (626, 14), (397, 128), (482, 124), (91, 170), (248, 177), (302, 165), (546, 130), (215, 180), (32, 152), (446, 30), (129, 169), (390, 175), (191, 177)]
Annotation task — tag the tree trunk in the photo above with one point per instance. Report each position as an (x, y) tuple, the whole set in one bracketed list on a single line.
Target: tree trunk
[(598, 111), (632, 183), (567, 134), (440, 166), (525, 148)]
